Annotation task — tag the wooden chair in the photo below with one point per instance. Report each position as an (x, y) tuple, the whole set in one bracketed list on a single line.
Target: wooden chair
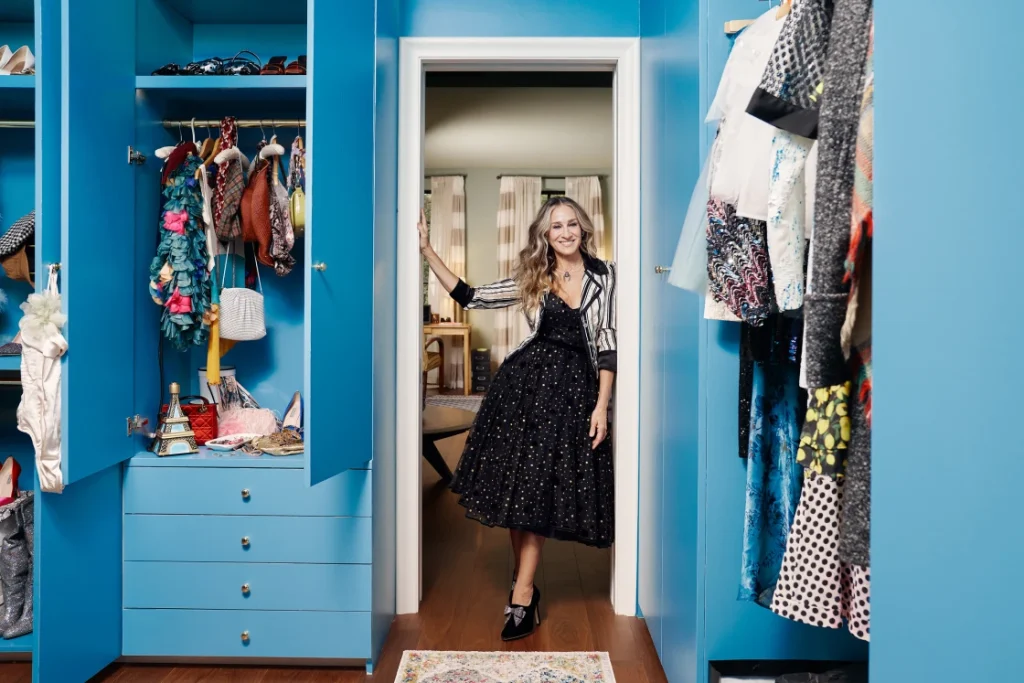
[(433, 361)]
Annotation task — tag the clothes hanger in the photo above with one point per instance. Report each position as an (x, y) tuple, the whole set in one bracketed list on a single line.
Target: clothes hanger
[(165, 152), (214, 150), (273, 151)]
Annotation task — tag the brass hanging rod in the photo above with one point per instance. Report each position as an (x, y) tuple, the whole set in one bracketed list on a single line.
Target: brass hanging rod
[(240, 123), (17, 124)]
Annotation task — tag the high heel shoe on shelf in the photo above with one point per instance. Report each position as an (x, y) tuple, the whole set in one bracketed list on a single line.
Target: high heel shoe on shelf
[(20, 63), (9, 473), (521, 620)]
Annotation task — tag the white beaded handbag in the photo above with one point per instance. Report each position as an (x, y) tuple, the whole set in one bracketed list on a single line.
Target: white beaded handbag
[(241, 309)]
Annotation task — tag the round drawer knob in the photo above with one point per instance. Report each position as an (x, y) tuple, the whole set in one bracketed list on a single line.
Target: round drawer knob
[(245, 494), (245, 589), (245, 541), (320, 265), (245, 636)]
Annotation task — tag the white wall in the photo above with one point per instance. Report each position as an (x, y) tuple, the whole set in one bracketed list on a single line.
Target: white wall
[(485, 132)]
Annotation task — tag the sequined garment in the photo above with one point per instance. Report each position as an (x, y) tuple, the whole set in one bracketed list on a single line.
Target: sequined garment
[(738, 271), (528, 462)]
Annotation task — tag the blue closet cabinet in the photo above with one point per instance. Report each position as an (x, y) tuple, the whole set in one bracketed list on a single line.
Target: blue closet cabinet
[(148, 552), (29, 180)]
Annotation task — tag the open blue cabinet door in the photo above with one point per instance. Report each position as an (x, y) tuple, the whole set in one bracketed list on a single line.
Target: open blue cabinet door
[(339, 210), (97, 232), (84, 115)]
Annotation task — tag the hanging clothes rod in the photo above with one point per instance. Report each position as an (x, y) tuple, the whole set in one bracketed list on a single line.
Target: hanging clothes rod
[(17, 124), (241, 123)]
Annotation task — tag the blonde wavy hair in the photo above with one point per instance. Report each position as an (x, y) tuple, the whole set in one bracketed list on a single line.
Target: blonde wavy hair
[(535, 271)]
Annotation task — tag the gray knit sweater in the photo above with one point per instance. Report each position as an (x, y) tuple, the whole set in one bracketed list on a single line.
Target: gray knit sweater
[(825, 304)]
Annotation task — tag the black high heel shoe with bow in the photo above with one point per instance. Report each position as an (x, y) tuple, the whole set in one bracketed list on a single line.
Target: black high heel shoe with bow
[(521, 620)]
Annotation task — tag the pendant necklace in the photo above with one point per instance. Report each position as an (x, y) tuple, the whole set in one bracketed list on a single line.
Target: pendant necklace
[(566, 275)]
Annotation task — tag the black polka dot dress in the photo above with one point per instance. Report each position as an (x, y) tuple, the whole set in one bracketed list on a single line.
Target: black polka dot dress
[(528, 462)]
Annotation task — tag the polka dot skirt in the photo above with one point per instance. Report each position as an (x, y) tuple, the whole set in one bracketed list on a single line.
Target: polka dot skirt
[(814, 586), (528, 462)]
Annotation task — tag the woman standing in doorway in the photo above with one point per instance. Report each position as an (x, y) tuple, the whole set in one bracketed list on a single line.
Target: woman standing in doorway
[(538, 461)]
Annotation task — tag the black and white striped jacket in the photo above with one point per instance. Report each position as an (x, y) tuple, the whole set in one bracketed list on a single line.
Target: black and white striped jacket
[(597, 304)]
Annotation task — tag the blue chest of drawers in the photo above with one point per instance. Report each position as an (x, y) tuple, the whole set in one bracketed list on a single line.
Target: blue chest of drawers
[(237, 557)]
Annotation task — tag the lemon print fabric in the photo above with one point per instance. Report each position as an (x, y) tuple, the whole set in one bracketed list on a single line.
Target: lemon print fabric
[(825, 438)]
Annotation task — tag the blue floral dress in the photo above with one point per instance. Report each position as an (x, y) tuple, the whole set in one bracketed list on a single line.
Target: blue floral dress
[(774, 477)]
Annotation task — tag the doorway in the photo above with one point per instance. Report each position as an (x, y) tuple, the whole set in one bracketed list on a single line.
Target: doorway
[(620, 58)]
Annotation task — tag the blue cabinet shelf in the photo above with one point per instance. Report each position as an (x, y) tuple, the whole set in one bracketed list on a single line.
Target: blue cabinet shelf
[(18, 82), (220, 82), (22, 644), (207, 458), (288, 91)]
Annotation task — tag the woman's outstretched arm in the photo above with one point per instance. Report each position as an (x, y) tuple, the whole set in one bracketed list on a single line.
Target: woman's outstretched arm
[(446, 277), (501, 294)]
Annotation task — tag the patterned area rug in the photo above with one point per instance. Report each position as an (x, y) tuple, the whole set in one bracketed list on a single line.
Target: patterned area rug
[(470, 403), (428, 666)]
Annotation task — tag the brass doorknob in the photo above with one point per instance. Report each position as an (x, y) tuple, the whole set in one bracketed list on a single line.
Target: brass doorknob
[(245, 589), (661, 269), (245, 494), (245, 541), (245, 636), (320, 265)]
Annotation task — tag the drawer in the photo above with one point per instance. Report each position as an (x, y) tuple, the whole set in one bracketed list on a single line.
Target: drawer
[(183, 538), (244, 491), (213, 633), (247, 586)]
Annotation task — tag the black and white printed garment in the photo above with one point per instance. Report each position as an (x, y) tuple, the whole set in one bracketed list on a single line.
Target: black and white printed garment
[(19, 234), (790, 91)]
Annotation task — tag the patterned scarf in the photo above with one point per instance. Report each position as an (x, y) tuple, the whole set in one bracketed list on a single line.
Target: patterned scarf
[(862, 221), (229, 184), (297, 166)]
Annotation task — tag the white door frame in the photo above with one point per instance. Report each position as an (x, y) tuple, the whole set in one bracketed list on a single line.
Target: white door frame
[(540, 54)]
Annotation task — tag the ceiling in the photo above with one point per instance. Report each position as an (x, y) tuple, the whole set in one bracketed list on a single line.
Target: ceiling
[(512, 128)]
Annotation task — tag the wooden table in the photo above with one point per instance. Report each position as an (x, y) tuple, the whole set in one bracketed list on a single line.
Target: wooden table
[(456, 330), (440, 423)]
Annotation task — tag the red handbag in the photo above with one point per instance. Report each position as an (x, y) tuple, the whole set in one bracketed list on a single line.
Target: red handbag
[(202, 416)]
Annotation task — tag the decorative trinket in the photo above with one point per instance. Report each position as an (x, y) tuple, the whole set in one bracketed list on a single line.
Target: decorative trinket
[(175, 436)]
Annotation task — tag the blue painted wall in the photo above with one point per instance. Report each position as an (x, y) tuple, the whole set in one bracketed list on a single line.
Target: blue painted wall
[(669, 561), (677, 168), (946, 461), (650, 577), (385, 255), (520, 18)]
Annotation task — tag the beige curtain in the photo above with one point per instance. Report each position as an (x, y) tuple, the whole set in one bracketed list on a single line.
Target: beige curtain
[(586, 191), (448, 238), (518, 204)]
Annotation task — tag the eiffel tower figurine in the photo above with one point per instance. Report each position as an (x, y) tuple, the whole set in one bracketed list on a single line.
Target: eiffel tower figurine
[(175, 435)]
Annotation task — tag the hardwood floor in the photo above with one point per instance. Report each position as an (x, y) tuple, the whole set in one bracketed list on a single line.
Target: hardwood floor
[(467, 575)]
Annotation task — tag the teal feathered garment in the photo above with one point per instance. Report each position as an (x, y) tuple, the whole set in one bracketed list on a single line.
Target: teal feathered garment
[(179, 280)]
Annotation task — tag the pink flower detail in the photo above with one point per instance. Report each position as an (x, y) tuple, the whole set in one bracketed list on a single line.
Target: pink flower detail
[(175, 221), (179, 304)]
